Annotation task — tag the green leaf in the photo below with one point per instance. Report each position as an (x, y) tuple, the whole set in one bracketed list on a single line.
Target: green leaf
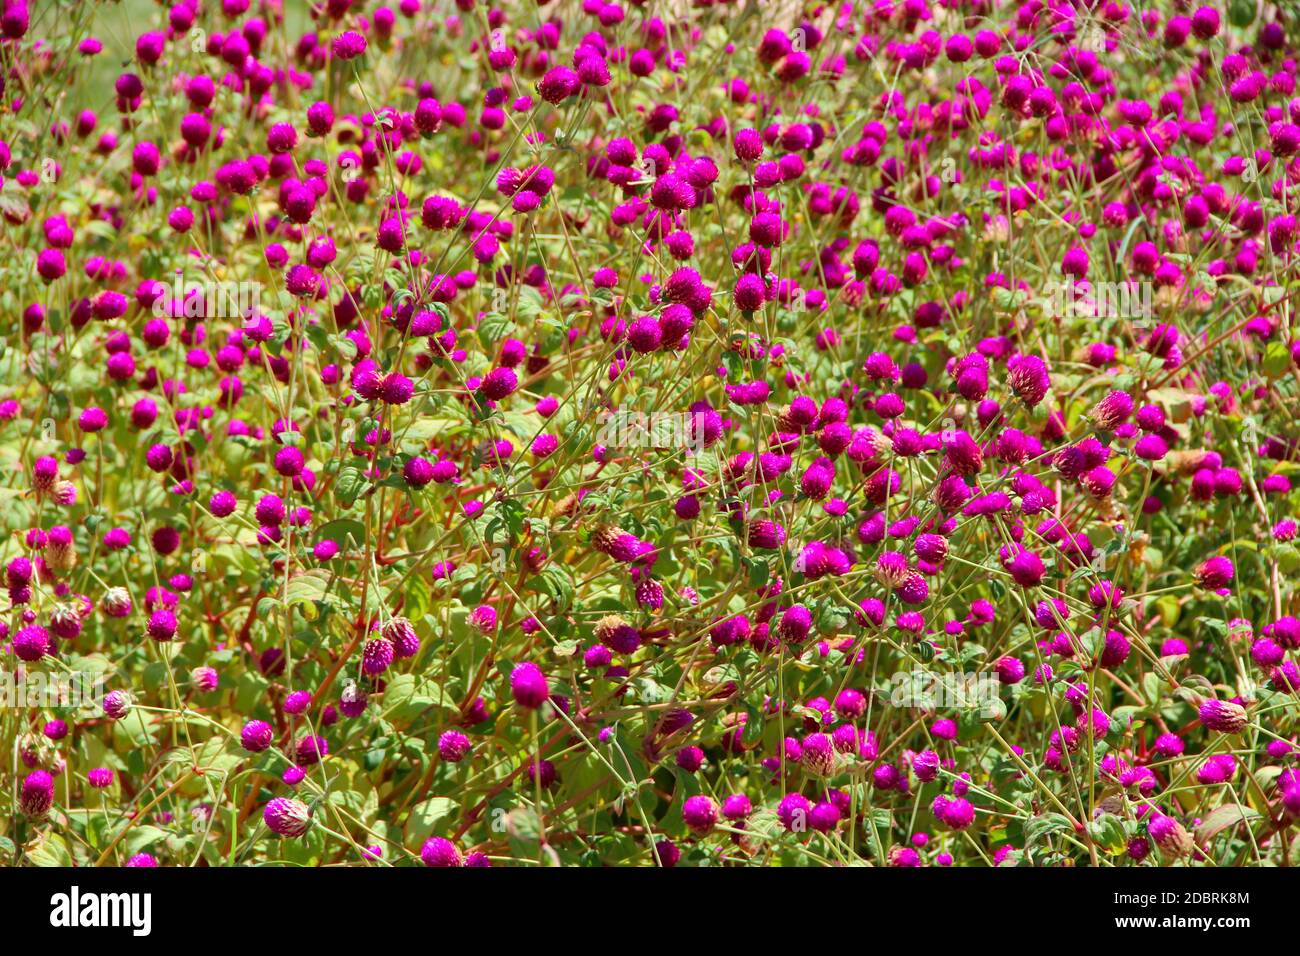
[(428, 819), (249, 692), (558, 584), (1241, 13), (349, 485), (342, 531), (1108, 831), (524, 831), (1277, 360), (492, 328), (50, 850), (142, 837), (1220, 818), (407, 696), (1039, 827), (308, 587), (216, 756), (1153, 687)]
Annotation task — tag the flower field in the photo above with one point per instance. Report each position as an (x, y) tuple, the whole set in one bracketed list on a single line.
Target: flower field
[(649, 434)]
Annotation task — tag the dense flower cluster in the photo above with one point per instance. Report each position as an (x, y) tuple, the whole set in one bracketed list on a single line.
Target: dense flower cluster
[(640, 433)]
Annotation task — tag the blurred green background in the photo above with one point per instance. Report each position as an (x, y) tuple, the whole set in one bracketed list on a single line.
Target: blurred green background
[(117, 23)]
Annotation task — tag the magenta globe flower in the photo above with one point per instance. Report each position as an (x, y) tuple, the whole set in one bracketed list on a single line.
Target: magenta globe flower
[(528, 685), (286, 817), (440, 852)]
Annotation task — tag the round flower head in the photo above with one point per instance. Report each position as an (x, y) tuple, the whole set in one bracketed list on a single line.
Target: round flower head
[(700, 813), (558, 84), (667, 853), (311, 749), (748, 145), (1028, 379), (1027, 569), (439, 851), (957, 813), (1223, 716), (162, 625), (528, 685), (256, 736), (289, 462), (737, 807), (100, 777), (1215, 573), (349, 45), (498, 383), (286, 817), (377, 655), (1169, 835), (793, 812), (37, 795), (401, 633), (453, 746), (31, 643), (117, 704), (484, 617)]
